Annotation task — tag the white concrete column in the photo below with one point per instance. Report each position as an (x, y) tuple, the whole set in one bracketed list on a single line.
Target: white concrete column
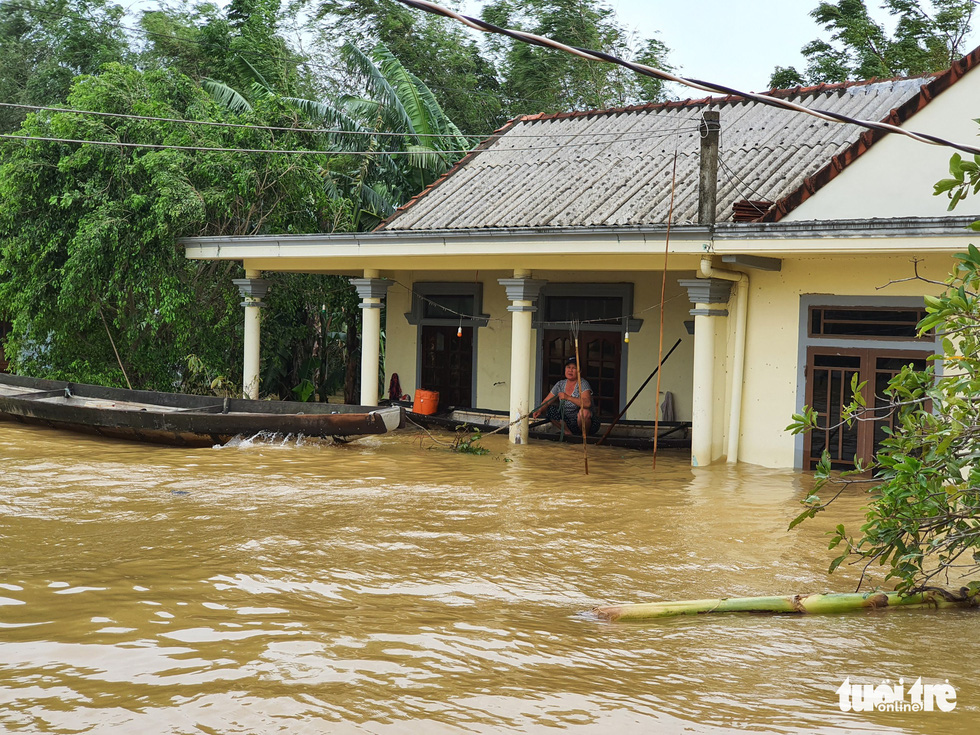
[(522, 291), (253, 289), (710, 297), (371, 289), (702, 405)]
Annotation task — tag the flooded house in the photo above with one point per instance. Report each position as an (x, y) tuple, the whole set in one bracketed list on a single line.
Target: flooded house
[(780, 248)]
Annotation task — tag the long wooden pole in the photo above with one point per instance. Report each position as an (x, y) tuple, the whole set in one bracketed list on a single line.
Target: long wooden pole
[(663, 296), (524, 416), (636, 395), (578, 373), (113, 343)]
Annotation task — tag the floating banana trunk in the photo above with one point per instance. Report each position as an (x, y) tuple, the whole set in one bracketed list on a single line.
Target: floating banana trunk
[(798, 604)]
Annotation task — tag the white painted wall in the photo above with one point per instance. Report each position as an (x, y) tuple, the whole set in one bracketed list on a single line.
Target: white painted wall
[(894, 178)]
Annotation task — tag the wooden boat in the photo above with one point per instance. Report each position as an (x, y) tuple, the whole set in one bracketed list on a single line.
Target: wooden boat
[(179, 419), (626, 434)]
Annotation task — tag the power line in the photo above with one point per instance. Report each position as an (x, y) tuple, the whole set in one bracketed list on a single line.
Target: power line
[(326, 131), (275, 151), (212, 123), (736, 180), (591, 55), (205, 149), (301, 58)]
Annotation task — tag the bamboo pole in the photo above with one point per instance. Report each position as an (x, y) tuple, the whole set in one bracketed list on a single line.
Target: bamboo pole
[(792, 604), (115, 351), (663, 296), (637, 394), (578, 373)]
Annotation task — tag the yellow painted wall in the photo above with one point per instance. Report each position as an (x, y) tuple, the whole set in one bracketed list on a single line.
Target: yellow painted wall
[(401, 343), (494, 341), (773, 336)]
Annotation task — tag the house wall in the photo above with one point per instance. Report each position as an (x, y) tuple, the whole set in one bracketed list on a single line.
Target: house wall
[(772, 383), (894, 177), (773, 371), (493, 342)]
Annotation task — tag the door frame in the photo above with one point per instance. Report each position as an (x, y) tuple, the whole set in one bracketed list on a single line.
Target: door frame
[(421, 290), (878, 344), (626, 323), (609, 405), (866, 371), (464, 399)]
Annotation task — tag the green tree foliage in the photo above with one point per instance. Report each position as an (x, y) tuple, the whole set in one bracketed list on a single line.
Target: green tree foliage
[(397, 102), (928, 37), (537, 79), (923, 517), (306, 342), (191, 39), (44, 44), (97, 262), (438, 51), (237, 46), (88, 232), (391, 136)]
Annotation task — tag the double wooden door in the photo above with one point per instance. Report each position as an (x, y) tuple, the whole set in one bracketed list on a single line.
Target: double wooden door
[(447, 364), (829, 373), (601, 357)]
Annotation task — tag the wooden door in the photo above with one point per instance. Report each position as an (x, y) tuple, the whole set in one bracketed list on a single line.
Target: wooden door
[(601, 356), (447, 364), (829, 373)]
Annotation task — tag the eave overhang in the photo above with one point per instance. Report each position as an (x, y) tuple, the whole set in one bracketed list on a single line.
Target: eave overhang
[(611, 248)]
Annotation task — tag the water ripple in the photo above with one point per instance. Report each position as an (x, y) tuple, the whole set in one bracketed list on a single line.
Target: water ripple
[(376, 587)]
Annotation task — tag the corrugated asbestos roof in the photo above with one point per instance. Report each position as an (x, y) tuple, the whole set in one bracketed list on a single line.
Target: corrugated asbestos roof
[(614, 167)]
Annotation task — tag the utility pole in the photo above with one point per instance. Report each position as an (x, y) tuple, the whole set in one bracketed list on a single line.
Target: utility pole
[(710, 130)]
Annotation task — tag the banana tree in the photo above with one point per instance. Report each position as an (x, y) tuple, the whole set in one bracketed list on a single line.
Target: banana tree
[(391, 140)]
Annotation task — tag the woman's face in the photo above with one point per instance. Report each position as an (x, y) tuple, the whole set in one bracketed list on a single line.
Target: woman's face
[(571, 371)]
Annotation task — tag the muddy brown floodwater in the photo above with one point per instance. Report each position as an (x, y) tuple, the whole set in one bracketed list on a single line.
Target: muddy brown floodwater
[(380, 587)]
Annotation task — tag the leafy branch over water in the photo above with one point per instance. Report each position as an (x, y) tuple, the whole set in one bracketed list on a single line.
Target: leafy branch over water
[(923, 519)]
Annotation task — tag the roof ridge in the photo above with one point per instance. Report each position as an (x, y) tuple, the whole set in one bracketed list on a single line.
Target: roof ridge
[(721, 99)]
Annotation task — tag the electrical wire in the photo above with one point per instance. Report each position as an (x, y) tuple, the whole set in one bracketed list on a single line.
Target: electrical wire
[(736, 180), (336, 152), (591, 55), (338, 131), (551, 323), (304, 61), (205, 149), (213, 123)]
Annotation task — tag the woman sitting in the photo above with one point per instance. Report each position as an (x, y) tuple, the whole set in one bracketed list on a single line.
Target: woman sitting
[(566, 403)]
